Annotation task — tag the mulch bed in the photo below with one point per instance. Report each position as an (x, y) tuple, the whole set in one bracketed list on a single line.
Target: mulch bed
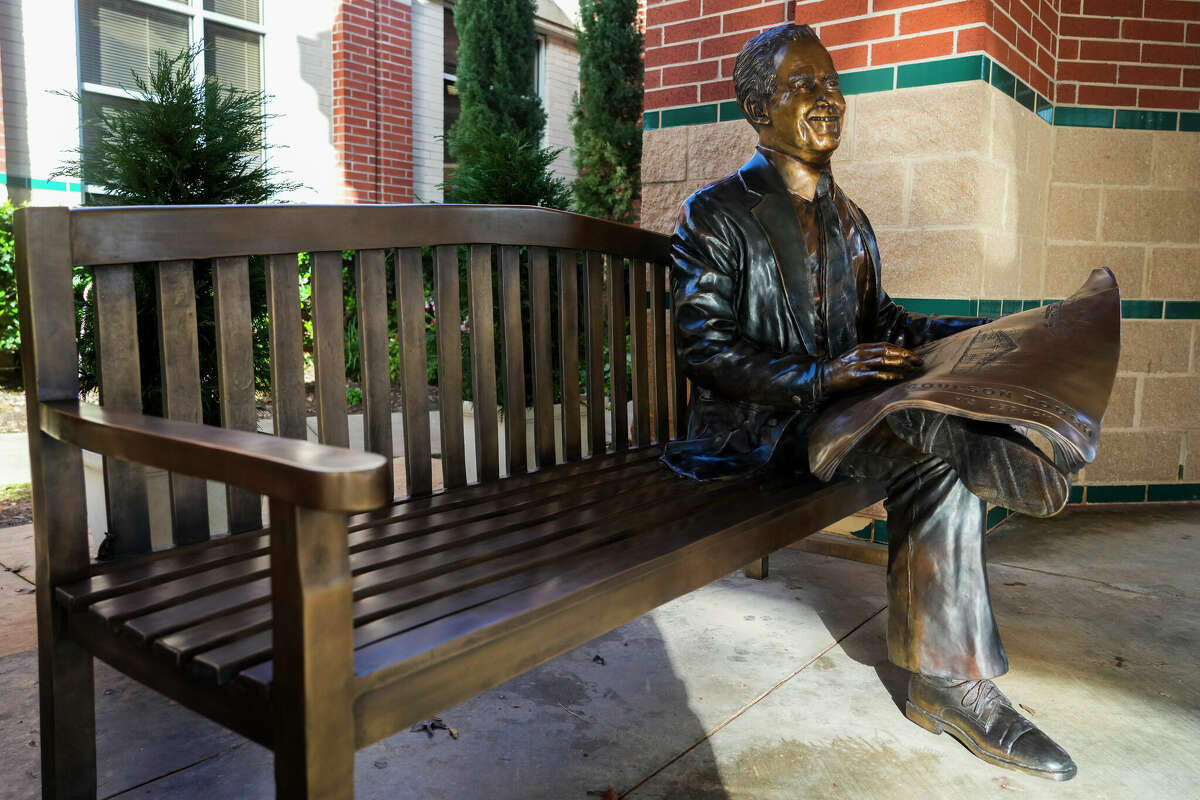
[(16, 506)]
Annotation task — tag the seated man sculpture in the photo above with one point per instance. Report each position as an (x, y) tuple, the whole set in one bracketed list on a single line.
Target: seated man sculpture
[(779, 311)]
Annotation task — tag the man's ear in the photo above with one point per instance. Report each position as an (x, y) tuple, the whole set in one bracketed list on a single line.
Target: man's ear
[(756, 112)]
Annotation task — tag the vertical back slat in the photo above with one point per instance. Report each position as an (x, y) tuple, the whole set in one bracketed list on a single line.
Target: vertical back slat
[(449, 346), (568, 351), (371, 273), (287, 346), (179, 360), (658, 325), (594, 324), (410, 310), (483, 364), (121, 390), (235, 374), (679, 391), (637, 337), (514, 359), (543, 381), (616, 351), (329, 348)]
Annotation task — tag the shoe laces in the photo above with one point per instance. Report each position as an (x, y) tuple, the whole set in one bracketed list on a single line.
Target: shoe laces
[(978, 696)]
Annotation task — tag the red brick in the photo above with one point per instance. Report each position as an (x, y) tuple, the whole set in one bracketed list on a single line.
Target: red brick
[(938, 44), (671, 55), (853, 57), (675, 96), (1065, 93), (1112, 8), (1021, 15), (1171, 54), (1173, 9), (888, 5), (1191, 78), (653, 79), (695, 29), (690, 73), (716, 91), (1110, 51), (1087, 73), (1068, 49), (1043, 34), (859, 30), (1152, 31), (818, 11), (753, 19), (724, 45), (672, 12), (953, 15), (721, 6), (1041, 83), (1107, 96), (1138, 75), (972, 40), (653, 38), (1091, 27), (1026, 46), (1070, 6), (727, 66), (1048, 15), (1193, 34), (1046, 62), (1005, 27), (1182, 99)]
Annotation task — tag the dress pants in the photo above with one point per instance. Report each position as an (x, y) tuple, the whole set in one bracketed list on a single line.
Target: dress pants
[(940, 619)]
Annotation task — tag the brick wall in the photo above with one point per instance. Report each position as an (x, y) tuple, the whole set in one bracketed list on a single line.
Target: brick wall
[(1131, 53), (372, 99)]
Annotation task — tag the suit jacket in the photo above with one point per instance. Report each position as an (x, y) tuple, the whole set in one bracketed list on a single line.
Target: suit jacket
[(746, 327)]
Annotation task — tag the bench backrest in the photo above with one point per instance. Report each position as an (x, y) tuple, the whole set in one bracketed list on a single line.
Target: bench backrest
[(566, 293)]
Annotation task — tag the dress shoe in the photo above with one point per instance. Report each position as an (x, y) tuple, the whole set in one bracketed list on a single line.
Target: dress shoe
[(979, 715), (995, 462)]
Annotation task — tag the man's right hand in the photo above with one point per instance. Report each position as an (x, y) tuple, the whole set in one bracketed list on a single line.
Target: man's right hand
[(868, 364)]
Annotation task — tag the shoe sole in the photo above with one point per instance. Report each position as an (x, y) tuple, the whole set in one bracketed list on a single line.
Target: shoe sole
[(936, 725), (1004, 475)]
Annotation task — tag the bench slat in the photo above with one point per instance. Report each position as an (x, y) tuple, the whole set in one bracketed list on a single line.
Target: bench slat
[(639, 343), (414, 387), (658, 331), (514, 360), (179, 359), (568, 351), (540, 349), (329, 348), (449, 349), (235, 374), (287, 343), (616, 351), (594, 331), (483, 364), (371, 273), (121, 389)]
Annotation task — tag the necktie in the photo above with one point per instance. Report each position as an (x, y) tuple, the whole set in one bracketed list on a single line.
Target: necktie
[(840, 296)]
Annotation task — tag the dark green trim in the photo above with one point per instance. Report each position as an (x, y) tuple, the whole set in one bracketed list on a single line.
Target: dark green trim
[(991, 308), (688, 115), (1189, 121), (863, 532), (21, 182), (995, 516), (1003, 80), (729, 111), (1081, 117), (1012, 306), (1141, 309), (947, 70), (1182, 309), (1116, 494), (1147, 120), (1172, 492), (943, 307), (1076, 495), (650, 120), (868, 80), (881, 531)]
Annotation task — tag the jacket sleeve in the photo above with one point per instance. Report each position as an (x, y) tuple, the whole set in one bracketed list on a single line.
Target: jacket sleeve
[(708, 254), (895, 325)]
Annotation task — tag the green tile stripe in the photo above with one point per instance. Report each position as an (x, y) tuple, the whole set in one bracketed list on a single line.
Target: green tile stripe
[(1076, 495), (19, 182), (952, 70), (1115, 494), (992, 308), (944, 307), (1181, 309), (995, 516), (881, 531), (1172, 492)]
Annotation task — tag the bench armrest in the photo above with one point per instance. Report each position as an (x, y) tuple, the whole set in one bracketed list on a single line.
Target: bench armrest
[(303, 473)]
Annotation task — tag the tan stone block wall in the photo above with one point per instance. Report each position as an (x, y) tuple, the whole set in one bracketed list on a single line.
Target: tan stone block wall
[(972, 196)]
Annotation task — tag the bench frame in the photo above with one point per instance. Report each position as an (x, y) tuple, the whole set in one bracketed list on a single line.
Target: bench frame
[(318, 709)]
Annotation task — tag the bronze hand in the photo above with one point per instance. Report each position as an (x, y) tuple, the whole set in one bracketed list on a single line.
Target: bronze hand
[(866, 364)]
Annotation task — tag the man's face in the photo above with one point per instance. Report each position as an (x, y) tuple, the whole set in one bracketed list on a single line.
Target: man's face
[(806, 111)]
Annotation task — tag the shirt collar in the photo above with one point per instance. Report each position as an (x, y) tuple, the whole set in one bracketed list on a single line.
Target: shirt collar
[(799, 177)]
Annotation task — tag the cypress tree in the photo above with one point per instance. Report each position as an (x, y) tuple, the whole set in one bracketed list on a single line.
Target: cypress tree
[(497, 139), (607, 118)]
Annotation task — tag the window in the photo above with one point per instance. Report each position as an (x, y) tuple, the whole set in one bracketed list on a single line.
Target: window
[(119, 38)]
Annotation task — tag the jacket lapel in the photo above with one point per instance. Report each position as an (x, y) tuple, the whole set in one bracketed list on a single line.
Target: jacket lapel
[(775, 214)]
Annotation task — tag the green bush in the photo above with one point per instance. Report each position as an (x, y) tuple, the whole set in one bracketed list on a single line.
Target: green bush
[(10, 331)]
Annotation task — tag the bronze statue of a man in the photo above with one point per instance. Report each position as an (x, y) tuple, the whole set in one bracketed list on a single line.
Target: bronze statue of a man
[(780, 310)]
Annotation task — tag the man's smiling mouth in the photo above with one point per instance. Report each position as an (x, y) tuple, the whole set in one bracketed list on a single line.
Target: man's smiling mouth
[(824, 119)]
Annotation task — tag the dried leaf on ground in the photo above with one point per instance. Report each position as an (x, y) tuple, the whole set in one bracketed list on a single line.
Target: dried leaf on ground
[(604, 794), (598, 659)]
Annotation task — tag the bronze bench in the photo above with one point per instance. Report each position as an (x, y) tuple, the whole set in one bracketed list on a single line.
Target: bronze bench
[(355, 613)]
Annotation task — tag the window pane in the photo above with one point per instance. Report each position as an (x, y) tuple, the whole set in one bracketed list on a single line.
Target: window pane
[(242, 9), (233, 57), (118, 39)]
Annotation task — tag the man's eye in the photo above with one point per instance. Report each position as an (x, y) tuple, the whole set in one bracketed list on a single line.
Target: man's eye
[(832, 83)]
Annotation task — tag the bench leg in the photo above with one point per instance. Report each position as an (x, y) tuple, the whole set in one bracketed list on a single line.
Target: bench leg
[(758, 570), (314, 654), (68, 717)]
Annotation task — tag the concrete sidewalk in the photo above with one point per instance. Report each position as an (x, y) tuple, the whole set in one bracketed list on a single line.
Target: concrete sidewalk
[(774, 690)]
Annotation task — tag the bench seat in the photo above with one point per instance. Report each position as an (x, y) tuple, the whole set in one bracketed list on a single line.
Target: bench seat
[(480, 582)]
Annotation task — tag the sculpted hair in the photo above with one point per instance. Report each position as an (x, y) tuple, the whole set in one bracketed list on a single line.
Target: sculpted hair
[(754, 69)]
